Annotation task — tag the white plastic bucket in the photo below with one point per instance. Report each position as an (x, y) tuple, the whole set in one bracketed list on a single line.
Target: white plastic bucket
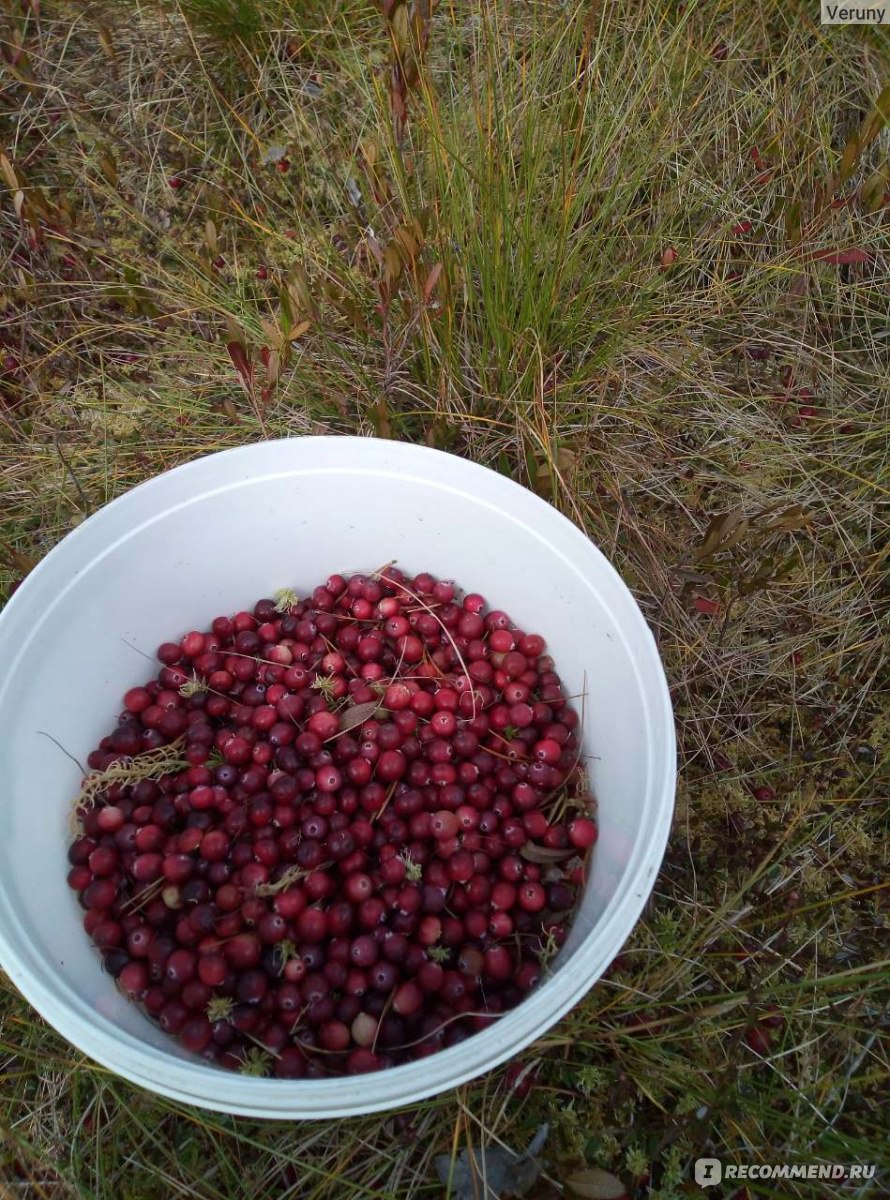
[(211, 537)]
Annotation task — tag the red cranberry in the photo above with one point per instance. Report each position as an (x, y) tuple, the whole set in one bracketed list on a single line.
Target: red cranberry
[(582, 832), (758, 1039), (407, 999)]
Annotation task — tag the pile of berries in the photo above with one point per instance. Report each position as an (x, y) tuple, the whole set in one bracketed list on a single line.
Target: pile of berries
[(336, 834)]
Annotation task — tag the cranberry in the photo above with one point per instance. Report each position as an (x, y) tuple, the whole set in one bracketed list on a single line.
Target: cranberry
[(532, 897), (133, 978), (323, 724), (242, 951), (212, 970), (461, 867), (582, 833), (560, 897), (758, 1039), (137, 700), (547, 751), (361, 1061), (408, 999), (328, 779), (312, 925), (334, 1036), (391, 766), (383, 976), (503, 896)]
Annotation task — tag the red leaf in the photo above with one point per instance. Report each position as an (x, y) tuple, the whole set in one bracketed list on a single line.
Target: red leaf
[(239, 357), (703, 605), (838, 258)]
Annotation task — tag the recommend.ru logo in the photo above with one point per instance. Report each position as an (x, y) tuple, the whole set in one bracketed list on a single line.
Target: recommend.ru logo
[(711, 1171)]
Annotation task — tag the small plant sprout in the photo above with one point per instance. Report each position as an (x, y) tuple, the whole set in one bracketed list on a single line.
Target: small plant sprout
[(220, 1008), (126, 771), (413, 870), (285, 600), (193, 687), (256, 1063)]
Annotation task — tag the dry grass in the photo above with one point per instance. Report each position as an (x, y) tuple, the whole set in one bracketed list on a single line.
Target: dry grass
[(607, 328)]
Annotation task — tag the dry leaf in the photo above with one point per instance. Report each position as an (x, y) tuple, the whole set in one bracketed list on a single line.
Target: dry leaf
[(38, 201), (106, 42), (210, 236), (298, 330), (872, 190), (792, 222), (392, 265), (108, 167), (851, 153), (430, 283), (235, 332), (877, 119), (272, 332), (791, 520), (409, 239), (21, 562), (492, 1171), (566, 459), (299, 291), (542, 854), (8, 171), (687, 576), (273, 368), (399, 26), (593, 1183), (357, 714), (724, 531)]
